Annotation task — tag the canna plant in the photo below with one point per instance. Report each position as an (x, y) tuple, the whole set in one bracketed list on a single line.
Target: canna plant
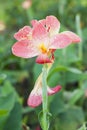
[(42, 40)]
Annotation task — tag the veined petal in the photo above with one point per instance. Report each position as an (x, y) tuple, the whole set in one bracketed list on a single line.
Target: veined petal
[(60, 41), (54, 90), (52, 24), (40, 34), (42, 59), (22, 33), (24, 49), (73, 36)]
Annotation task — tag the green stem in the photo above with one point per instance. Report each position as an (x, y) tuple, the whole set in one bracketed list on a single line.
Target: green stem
[(29, 13), (78, 27), (44, 97)]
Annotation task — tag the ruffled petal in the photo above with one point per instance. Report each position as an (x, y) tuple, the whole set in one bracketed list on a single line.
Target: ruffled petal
[(52, 24), (40, 34), (42, 59), (24, 49), (60, 41), (35, 98), (23, 33), (34, 22), (54, 90)]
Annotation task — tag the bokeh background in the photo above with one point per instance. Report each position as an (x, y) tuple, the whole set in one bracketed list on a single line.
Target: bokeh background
[(17, 75)]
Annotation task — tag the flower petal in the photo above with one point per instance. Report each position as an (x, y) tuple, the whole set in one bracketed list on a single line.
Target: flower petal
[(40, 34), (60, 41), (34, 99), (42, 59), (54, 90), (73, 36), (52, 24), (43, 22), (34, 22), (22, 33), (24, 49)]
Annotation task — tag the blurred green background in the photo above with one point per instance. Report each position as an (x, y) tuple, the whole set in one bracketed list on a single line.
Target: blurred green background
[(17, 75)]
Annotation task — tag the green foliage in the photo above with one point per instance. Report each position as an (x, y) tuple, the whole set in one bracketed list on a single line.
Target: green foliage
[(17, 75), (69, 119), (10, 108)]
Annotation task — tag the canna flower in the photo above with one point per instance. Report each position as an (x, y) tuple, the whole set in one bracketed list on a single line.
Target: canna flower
[(42, 40), (35, 97)]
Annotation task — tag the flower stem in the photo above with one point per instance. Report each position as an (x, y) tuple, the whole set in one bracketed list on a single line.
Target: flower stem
[(29, 14), (79, 31), (44, 97)]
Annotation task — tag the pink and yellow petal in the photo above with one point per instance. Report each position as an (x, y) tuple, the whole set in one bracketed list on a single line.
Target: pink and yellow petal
[(23, 33), (60, 41), (52, 24), (74, 37), (24, 49), (40, 35)]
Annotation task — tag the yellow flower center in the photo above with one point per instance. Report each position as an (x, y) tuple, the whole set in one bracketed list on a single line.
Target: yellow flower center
[(42, 48)]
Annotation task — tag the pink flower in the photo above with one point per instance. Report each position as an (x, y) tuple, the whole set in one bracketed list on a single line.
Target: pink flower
[(35, 97), (42, 40)]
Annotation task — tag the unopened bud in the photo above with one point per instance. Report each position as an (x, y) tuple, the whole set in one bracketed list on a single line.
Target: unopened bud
[(26, 4)]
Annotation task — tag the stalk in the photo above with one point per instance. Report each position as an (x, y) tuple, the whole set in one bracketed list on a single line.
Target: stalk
[(44, 97), (78, 28)]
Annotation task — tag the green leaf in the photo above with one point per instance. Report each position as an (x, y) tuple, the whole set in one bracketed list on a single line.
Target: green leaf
[(7, 102), (27, 110), (75, 96), (7, 89), (83, 127), (70, 119), (16, 75), (3, 112), (6, 105), (69, 74), (57, 105), (2, 77), (8, 97), (14, 120)]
